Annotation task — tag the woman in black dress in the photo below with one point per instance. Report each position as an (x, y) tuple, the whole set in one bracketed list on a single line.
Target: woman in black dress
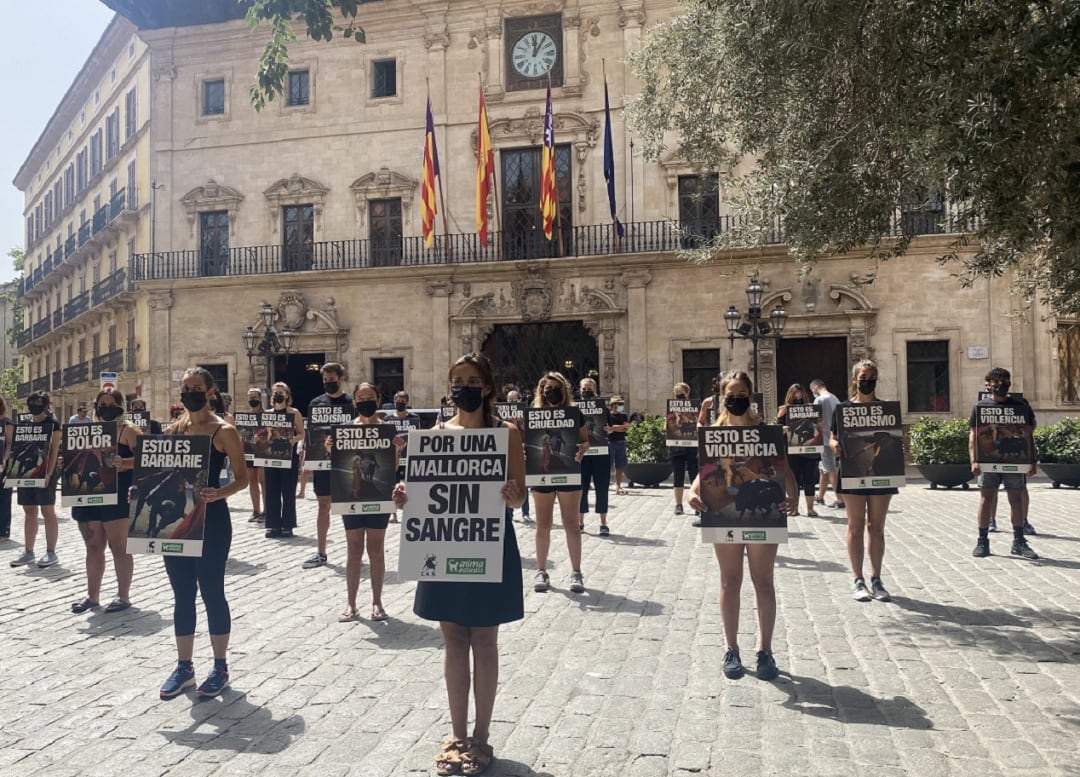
[(866, 507), (469, 614), (106, 525), (33, 499)]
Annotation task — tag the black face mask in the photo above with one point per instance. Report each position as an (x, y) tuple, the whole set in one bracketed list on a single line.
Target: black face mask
[(1001, 389), (193, 401), (737, 405), (797, 401), (867, 386), (468, 398), (36, 408), (331, 386), (367, 408), (279, 399), (109, 412), (255, 402), (588, 394), (401, 407), (553, 396), (680, 396)]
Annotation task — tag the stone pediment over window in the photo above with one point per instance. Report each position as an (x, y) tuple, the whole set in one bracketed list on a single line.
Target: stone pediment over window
[(212, 196), (576, 128), (295, 190), (384, 183)]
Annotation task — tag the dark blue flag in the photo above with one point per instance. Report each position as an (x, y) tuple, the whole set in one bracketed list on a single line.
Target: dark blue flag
[(609, 162)]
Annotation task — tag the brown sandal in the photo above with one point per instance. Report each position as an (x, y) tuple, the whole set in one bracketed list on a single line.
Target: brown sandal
[(477, 758), (448, 760)]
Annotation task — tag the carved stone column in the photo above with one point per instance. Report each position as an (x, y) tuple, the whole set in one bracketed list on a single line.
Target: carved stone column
[(160, 355), (635, 282), (440, 289)]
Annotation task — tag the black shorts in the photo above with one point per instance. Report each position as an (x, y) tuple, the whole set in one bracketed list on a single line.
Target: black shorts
[(554, 489), (378, 521), (40, 496), (321, 479)]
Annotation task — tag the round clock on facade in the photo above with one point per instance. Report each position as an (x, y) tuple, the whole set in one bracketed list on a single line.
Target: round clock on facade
[(534, 54)]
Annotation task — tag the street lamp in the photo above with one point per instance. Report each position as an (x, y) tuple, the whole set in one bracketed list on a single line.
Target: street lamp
[(270, 343), (755, 328)]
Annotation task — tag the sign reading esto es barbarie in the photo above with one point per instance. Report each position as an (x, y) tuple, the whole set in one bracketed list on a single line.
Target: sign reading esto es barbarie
[(29, 456), (452, 524), (804, 431), (167, 514)]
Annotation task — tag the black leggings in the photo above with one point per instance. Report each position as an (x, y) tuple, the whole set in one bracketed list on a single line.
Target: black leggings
[(5, 510), (205, 575), (280, 496), (598, 469), (684, 464), (805, 470)]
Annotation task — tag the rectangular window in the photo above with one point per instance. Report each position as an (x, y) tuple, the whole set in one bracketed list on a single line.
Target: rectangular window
[(112, 135), (388, 375), (130, 115), (699, 209), (81, 172), (48, 209), (132, 200), (299, 87), (384, 78), (298, 236), (523, 235), (213, 97), (700, 366), (1068, 334), (112, 337), (220, 374), (58, 198), (928, 376), (214, 242), (112, 261), (69, 185), (29, 231), (384, 216), (95, 154)]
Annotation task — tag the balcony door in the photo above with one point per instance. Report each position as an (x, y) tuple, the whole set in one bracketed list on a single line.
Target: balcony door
[(523, 228), (298, 237), (214, 242)]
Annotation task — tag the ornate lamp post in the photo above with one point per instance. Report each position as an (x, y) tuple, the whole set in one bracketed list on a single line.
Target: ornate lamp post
[(270, 342), (755, 328)]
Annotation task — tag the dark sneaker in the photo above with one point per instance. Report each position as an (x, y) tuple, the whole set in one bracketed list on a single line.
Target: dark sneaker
[(993, 525), (860, 593), (982, 548), (678, 510), (316, 560), (217, 682), (604, 530), (1029, 530), (766, 666), (877, 590), (733, 668), (180, 679), (577, 583), (541, 581), (1021, 548)]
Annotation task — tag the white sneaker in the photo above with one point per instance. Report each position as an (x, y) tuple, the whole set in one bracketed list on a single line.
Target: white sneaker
[(23, 559), (48, 559), (860, 593), (541, 582), (577, 583)]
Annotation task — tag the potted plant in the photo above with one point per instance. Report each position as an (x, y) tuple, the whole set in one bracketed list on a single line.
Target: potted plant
[(1057, 448), (939, 450), (646, 452)]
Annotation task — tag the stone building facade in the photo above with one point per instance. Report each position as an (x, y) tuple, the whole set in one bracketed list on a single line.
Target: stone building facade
[(312, 206)]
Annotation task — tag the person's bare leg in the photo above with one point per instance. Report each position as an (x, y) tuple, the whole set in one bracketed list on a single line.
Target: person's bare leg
[(569, 510), (544, 515), (322, 523), (856, 521), (730, 559), (762, 562), (457, 641), (94, 536), (116, 536), (376, 550), (485, 651)]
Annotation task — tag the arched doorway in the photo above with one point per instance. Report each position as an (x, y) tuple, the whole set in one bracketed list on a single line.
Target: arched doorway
[(521, 353)]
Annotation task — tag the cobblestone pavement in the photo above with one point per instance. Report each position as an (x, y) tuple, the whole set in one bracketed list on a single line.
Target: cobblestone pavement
[(972, 670)]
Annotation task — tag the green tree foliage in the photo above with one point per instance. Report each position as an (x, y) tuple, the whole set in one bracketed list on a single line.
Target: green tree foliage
[(321, 21), (844, 111), (10, 377)]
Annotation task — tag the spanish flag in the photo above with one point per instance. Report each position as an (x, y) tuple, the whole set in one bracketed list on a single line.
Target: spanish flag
[(428, 205), (485, 172), (549, 195)]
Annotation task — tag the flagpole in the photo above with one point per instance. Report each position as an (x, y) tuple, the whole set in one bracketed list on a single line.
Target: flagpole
[(442, 195), (555, 176), (494, 177)]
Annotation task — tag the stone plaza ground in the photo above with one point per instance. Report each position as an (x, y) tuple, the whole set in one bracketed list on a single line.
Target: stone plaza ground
[(973, 669)]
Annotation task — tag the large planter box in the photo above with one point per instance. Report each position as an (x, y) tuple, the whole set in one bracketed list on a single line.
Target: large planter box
[(1062, 474), (650, 474), (946, 475)]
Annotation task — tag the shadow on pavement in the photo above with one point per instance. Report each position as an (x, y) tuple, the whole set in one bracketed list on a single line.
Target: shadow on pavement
[(844, 703), (504, 767), (805, 564), (620, 539), (235, 567), (231, 722), (594, 599), (132, 622), (394, 634)]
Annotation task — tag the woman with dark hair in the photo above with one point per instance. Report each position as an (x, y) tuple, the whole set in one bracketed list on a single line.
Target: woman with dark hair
[(470, 614), (5, 493), (279, 494), (367, 530), (803, 465), (256, 483), (734, 394), (106, 525), (866, 507), (553, 390), (684, 458), (44, 498), (206, 574)]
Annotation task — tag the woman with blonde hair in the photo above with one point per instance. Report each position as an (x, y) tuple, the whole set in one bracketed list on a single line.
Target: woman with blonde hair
[(553, 390), (734, 394), (803, 465)]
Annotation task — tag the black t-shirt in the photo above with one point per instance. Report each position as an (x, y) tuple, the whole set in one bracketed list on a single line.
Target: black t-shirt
[(617, 419), (325, 400), (403, 425)]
